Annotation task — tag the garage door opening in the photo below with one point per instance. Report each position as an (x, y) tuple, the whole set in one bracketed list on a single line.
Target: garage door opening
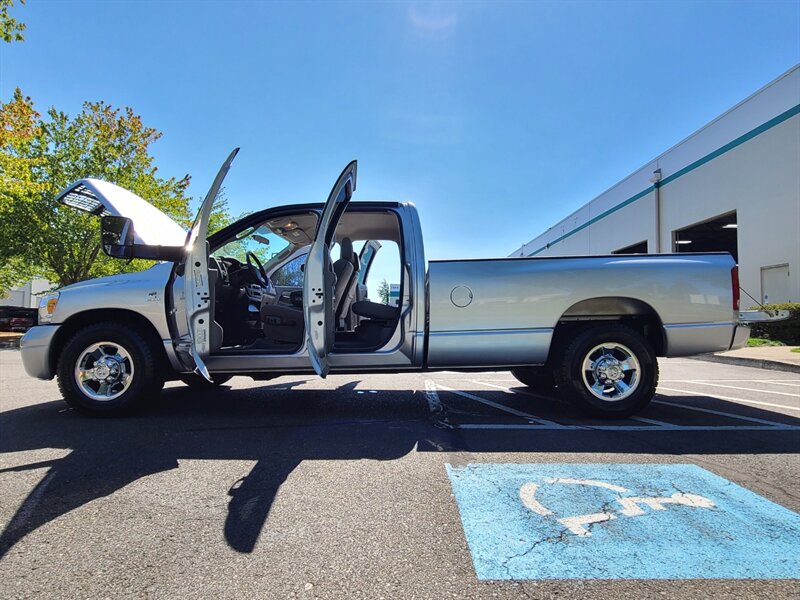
[(640, 248), (716, 235)]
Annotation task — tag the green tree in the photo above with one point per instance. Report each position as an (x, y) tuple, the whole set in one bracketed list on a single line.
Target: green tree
[(220, 214), (19, 127), (383, 292), (40, 156), (10, 29)]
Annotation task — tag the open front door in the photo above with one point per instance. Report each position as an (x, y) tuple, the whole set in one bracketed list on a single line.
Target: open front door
[(197, 294), (320, 281)]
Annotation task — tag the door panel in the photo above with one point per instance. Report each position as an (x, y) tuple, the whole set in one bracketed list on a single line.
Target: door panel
[(197, 291), (320, 281)]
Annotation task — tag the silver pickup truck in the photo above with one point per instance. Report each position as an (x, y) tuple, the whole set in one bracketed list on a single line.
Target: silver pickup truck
[(263, 297)]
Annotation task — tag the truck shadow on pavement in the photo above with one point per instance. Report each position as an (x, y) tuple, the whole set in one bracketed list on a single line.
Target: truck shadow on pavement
[(279, 427)]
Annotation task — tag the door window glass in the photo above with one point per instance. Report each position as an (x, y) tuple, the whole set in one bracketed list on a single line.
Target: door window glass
[(366, 257), (291, 274), (384, 276)]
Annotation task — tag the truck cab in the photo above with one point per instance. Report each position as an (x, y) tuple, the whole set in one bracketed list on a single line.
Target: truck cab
[(263, 296)]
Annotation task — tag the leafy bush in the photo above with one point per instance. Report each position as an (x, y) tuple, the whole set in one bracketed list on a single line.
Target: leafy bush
[(755, 342), (787, 331)]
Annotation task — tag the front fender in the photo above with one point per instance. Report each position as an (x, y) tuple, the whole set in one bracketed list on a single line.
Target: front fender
[(143, 293)]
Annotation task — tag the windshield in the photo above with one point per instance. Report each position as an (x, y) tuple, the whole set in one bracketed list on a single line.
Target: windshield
[(268, 246), (273, 241)]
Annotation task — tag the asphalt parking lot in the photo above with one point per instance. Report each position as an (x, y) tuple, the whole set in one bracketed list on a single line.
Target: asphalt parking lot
[(429, 485)]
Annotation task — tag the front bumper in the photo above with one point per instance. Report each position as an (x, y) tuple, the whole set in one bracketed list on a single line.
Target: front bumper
[(35, 350)]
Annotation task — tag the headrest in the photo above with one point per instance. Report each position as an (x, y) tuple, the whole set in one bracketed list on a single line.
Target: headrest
[(346, 249)]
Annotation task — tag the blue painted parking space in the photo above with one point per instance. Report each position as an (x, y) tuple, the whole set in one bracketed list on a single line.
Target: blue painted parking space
[(620, 521)]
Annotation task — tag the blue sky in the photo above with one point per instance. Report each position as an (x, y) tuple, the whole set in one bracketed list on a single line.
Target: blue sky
[(496, 119)]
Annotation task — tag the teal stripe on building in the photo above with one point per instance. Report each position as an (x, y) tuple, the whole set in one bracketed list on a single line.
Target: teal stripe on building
[(795, 110)]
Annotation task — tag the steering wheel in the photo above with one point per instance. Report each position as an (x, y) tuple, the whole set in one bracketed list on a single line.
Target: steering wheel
[(258, 270)]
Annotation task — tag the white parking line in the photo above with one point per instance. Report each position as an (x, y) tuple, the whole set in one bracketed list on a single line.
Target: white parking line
[(507, 409), (515, 391), (506, 389), (653, 422), (774, 382), (672, 428), (719, 397), (537, 423), (794, 382), (513, 426), (434, 402), (526, 393), (718, 412), (744, 389)]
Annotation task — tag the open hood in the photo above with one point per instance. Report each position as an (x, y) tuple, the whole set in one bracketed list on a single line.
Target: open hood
[(100, 198)]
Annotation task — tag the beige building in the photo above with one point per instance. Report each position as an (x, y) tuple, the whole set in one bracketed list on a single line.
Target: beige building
[(733, 186), (27, 295)]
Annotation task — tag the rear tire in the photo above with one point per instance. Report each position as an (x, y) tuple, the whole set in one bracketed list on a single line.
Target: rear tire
[(108, 369), (609, 371)]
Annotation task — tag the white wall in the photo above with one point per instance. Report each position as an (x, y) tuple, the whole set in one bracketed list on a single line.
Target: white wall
[(760, 180)]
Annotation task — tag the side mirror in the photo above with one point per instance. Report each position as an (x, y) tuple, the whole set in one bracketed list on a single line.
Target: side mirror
[(116, 234)]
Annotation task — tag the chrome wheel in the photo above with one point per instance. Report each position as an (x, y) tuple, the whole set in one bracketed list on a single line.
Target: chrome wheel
[(104, 371), (611, 372)]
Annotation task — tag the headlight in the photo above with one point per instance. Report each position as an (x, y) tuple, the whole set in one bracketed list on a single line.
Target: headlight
[(47, 307)]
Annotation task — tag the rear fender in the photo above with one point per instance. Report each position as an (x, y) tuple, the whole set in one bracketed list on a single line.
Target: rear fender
[(634, 313)]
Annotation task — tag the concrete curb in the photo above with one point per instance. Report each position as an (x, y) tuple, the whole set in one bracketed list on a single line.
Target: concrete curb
[(758, 363)]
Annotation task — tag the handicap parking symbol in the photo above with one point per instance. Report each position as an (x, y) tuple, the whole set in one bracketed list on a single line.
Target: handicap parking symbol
[(620, 521)]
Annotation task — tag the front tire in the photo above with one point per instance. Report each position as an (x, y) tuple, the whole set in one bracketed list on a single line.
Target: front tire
[(108, 369), (609, 371)]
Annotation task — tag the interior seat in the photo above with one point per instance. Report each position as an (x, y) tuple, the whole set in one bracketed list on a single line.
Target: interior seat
[(285, 325), (346, 271), (378, 324), (376, 311)]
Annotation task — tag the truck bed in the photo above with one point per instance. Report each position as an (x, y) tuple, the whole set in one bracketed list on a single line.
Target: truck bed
[(503, 312)]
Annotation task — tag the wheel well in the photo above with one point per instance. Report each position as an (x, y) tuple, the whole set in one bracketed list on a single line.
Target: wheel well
[(636, 314), (119, 315)]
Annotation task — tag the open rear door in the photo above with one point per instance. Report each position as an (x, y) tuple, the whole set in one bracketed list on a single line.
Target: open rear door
[(320, 281), (197, 294)]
